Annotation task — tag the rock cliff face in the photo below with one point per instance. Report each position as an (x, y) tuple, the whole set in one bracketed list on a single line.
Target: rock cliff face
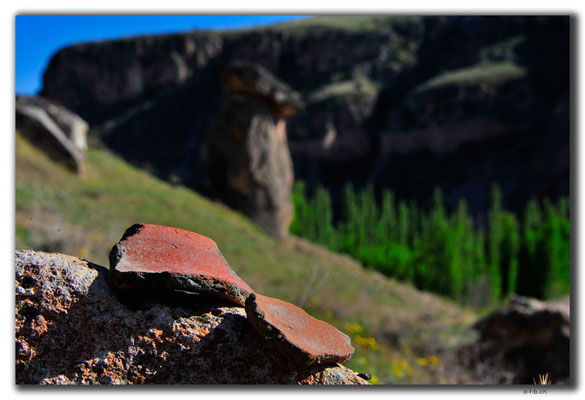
[(112, 72), (394, 102), (494, 108)]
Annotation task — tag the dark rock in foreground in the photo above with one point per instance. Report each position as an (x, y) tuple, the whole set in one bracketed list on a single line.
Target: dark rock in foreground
[(71, 329), (527, 339), (162, 257), (60, 133), (295, 333)]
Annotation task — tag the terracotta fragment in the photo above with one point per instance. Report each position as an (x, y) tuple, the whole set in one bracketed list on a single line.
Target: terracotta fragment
[(162, 257), (296, 334)]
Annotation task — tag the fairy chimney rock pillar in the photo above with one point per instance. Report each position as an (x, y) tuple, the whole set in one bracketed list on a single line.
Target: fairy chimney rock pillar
[(248, 161)]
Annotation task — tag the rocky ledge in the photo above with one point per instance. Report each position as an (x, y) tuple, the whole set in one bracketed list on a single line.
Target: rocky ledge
[(73, 326)]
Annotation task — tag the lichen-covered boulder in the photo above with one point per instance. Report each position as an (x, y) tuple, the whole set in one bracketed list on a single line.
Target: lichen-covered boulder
[(248, 161), (72, 329)]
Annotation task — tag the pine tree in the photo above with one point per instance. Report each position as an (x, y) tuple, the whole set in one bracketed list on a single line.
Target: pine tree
[(369, 217), (323, 219), (383, 231), (351, 225), (509, 253), (403, 224), (494, 241), (300, 210), (388, 217), (532, 266)]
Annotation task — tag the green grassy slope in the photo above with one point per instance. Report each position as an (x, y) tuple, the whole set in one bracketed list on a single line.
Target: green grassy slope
[(395, 328), (491, 74), (327, 23), (348, 23)]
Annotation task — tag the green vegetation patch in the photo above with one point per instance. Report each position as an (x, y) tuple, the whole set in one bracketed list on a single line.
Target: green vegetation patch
[(445, 253), (490, 74), (347, 23), (361, 85)]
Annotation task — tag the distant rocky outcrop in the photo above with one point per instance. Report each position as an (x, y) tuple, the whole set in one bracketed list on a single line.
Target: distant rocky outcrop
[(60, 133), (389, 100), (248, 161), (138, 66), (525, 340), (79, 323), (493, 109)]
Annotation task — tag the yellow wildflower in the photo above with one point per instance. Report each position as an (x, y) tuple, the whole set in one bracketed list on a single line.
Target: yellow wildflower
[(433, 360), (422, 361), (83, 252)]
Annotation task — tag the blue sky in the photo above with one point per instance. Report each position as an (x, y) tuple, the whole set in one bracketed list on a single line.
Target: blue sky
[(37, 37)]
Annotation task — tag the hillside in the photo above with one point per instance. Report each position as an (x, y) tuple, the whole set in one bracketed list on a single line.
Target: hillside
[(401, 334)]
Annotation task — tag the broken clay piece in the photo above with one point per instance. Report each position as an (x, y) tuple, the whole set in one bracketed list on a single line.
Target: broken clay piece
[(155, 256), (296, 334)]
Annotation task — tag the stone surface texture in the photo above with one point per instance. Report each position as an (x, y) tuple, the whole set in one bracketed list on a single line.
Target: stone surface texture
[(248, 161), (253, 80), (60, 133), (154, 256), (296, 334), (71, 329)]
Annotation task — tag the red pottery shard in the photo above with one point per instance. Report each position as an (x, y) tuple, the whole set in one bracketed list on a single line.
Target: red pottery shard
[(297, 335), (162, 257)]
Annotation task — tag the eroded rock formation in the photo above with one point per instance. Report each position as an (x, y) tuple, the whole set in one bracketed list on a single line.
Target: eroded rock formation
[(60, 133), (249, 164)]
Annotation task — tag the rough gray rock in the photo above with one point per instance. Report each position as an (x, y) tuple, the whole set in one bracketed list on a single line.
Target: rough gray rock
[(71, 329), (61, 134), (249, 164)]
